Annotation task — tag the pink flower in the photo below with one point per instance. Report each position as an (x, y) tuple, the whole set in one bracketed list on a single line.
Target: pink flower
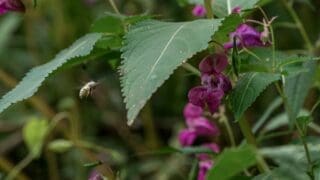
[(11, 5), (191, 111), (95, 175), (187, 137), (206, 96), (214, 84), (199, 11), (213, 64), (236, 10), (246, 36), (204, 166), (212, 146), (203, 127)]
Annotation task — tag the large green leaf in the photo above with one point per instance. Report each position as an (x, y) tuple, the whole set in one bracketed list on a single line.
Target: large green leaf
[(31, 82), (153, 50), (248, 88), (231, 162), (296, 89)]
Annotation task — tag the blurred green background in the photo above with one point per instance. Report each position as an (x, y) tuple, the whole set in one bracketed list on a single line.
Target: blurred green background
[(97, 125)]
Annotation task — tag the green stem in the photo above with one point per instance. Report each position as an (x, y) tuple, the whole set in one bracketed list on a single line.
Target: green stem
[(229, 130), (301, 28), (252, 53), (114, 7), (247, 133), (151, 135), (314, 107), (306, 149), (272, 38), (192, 69), (17, 169), (287, 107), (263, 137), (207, 5)]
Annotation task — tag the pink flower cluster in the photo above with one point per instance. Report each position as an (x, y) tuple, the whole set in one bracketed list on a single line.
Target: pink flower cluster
[(214, 85), (199, 127), (11, 5)]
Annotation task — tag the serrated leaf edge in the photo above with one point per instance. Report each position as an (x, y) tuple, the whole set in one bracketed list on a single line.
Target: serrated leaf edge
[(142, 103), (9, 103)]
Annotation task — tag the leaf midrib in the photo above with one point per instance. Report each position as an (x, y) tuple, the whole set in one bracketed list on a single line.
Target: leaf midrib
[(245, 91), (163, 51)]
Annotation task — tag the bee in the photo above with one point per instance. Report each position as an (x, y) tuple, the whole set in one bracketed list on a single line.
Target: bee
[(87, 89)]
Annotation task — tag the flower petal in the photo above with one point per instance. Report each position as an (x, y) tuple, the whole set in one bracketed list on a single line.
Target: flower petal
[(203, 127), (191, 111), (187, 137), (213, 64), (204, 166), (199, 10), (197, 96), (213, 100), (11, 5)]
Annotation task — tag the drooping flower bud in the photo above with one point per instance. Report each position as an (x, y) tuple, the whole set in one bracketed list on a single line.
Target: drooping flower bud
[(199, 10)]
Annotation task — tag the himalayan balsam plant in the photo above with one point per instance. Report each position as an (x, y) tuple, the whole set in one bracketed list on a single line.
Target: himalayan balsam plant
[(234, 58)]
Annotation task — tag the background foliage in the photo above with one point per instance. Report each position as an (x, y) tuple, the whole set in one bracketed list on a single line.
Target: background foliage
[(73, 134)]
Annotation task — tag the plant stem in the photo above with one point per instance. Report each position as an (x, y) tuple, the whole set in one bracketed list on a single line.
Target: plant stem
[(309, 45), (151, 135), (192, 69), (7, 166), (314, 107), (301, 28), (207, 5), (252, 54), (306, 149), (114, 7), (285, 102), (226, 123), (247, 133), (18, 168)]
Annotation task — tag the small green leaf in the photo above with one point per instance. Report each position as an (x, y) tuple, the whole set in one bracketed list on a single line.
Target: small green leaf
[(296, 89), (303, 122), (248, 88), (33, 79), (229, 24), (60, 145), (108, 24), (153, 50), (34, 133), (292, 155), (284, 172), (280, 120), (231, 162)]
